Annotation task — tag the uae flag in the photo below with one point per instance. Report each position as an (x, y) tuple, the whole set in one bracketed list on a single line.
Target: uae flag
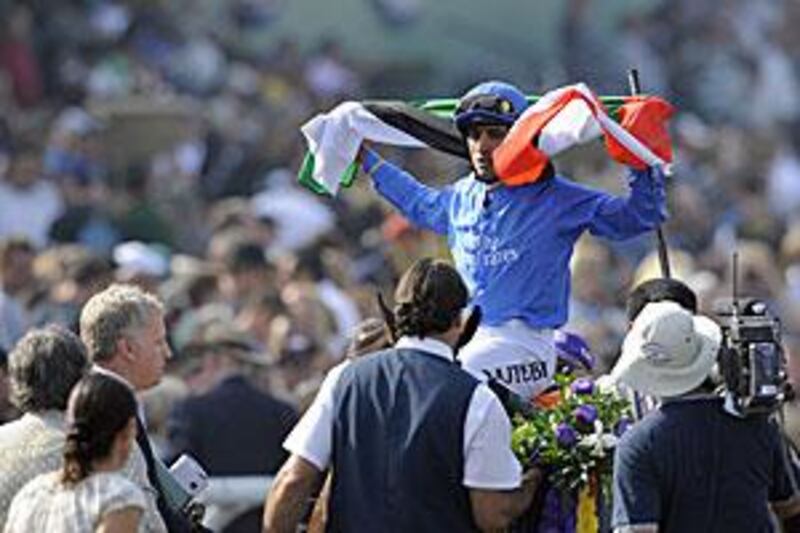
[(634, 130), (334, 138)]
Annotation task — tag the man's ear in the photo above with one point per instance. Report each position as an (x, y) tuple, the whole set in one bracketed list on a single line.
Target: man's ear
[(125, 348)]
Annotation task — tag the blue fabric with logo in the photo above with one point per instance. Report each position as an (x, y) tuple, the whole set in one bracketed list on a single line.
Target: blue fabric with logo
[(512, 245)]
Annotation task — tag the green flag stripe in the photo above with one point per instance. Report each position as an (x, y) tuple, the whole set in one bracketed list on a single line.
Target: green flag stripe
[(306, 176)]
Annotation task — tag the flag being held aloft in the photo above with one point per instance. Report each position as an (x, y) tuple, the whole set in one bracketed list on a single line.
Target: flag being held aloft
[(635, 131), (573, 115)]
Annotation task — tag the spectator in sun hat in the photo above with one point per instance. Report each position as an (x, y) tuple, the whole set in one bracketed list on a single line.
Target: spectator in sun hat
[(647, 292), (690, 466), (668, 351), (234, 428)]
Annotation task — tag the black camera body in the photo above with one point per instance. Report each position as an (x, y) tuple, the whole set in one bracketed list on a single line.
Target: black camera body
[(751, 358)]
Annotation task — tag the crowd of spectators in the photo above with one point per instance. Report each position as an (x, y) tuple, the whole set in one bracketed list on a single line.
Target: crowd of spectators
[(154, 143)]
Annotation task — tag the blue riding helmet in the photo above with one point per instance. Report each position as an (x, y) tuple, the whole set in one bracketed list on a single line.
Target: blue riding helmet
[(490, 102)]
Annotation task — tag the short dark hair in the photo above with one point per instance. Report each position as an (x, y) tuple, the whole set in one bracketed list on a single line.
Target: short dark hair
[(659, 290), (13, 244), (100, 407), (429, 298), (246, 256), (44, 366)]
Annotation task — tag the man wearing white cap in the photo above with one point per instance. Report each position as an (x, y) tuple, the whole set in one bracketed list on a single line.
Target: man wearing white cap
[(689, 466)]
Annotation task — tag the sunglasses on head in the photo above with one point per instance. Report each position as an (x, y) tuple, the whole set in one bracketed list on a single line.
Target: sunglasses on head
[(486, 102)]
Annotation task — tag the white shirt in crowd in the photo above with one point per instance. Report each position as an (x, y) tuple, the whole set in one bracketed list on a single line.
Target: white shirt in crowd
[(29, 212), (489, 462), (47, 504)]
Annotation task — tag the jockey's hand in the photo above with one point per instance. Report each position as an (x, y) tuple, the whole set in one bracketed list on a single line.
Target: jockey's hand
[(366, 145)]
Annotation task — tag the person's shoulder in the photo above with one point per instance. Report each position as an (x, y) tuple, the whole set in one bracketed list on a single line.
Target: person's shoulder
[(42, 483), (30, 436), (645, 430), (117, 490), (269, 402), (11, 432), (372, 358), (191, 404), (114, 482)]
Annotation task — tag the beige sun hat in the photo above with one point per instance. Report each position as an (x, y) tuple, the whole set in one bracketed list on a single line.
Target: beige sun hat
[(668, 351)]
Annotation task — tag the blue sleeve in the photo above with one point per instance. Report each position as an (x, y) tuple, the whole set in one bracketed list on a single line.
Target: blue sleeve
[(643, 210), (424, 206), (635, 487)]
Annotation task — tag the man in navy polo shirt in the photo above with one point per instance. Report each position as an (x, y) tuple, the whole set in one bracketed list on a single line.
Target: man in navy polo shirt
[(689, 466), (414, 442), (512, 245)]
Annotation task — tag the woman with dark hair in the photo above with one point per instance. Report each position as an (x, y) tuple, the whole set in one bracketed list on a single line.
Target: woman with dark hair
[(88, 493)]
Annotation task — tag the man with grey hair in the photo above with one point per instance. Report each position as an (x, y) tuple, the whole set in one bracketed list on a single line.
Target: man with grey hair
[(124, 333), (123, 330), (43, 367)]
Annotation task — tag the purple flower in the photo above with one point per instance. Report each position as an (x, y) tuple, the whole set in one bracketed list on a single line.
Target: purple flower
[(622, 426), (566, 435), (585, 414), (582, 386)]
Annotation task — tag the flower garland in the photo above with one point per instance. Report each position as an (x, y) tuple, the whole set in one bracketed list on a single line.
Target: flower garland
[(572, 439)]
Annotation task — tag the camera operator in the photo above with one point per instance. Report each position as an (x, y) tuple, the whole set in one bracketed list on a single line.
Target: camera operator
[(690, 465)]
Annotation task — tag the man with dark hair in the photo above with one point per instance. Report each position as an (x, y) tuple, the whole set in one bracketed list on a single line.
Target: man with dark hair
[(512, 244), (659, 290), (16, 280), (647, 292), (414, 442), (245, 271), (43, 367), (690, 466)]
